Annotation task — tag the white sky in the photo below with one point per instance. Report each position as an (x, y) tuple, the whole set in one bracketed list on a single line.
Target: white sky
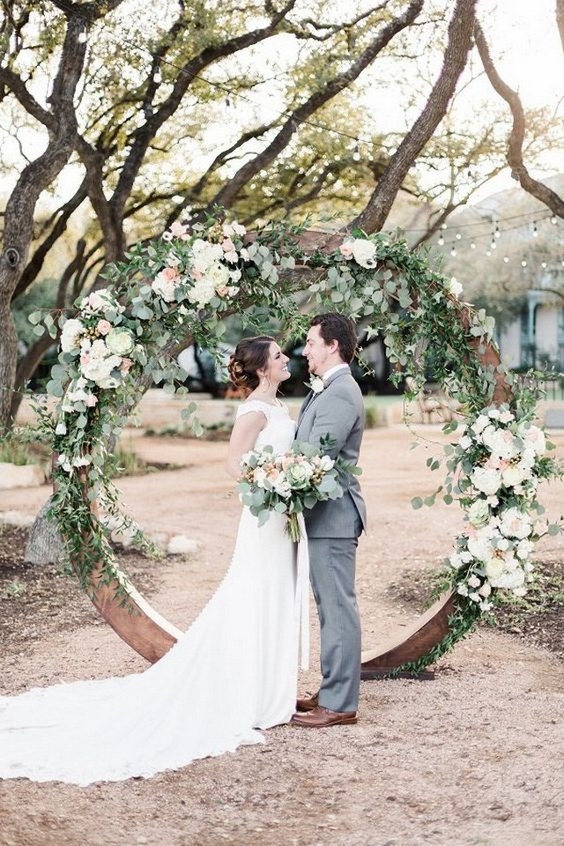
[(534, 61), (530, 60)]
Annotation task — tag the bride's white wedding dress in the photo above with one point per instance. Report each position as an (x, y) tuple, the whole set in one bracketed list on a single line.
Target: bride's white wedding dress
[(234, 671)]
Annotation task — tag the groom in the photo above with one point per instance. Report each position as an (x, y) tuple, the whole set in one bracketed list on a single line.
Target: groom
[(336, 409)]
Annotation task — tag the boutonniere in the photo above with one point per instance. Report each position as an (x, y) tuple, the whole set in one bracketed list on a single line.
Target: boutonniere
[(316, 384)]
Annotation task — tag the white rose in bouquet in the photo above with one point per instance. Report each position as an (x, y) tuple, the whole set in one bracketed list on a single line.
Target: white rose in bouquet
[(298, 475)]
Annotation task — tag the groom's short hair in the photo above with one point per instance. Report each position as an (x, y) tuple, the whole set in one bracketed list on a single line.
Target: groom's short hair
[(337, 327)]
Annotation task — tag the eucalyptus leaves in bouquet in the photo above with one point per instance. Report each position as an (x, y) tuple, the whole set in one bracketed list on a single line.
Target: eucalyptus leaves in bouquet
[(290, 482)]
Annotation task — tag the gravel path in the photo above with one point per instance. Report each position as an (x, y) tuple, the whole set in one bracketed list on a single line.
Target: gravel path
[(472, 758)]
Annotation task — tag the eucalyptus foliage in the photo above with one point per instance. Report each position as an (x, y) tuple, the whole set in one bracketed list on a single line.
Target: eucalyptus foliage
[(180, 288)]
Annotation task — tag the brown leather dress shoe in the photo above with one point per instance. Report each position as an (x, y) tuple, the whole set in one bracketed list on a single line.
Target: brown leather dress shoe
[(303, 705), (321, 717)]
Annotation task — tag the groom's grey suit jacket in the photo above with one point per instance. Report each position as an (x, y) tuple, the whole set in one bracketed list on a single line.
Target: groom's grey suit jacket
[(338, 411)]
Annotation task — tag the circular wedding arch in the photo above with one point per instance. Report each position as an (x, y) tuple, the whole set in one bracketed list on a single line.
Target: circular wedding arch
[(190, 279)]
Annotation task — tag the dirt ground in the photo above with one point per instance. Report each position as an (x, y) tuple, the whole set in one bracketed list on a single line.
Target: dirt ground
[(471, 758)]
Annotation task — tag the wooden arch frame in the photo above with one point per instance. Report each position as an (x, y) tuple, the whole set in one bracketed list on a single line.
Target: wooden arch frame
[(151, 635)]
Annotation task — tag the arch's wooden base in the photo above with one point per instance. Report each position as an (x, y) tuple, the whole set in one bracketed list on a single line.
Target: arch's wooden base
[(133, 618), (425, 633), (151, 635)]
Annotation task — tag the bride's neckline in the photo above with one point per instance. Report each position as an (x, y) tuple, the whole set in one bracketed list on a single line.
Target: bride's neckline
[(275, 402)]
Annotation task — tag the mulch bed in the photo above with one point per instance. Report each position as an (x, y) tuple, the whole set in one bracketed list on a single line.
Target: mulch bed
[(38, 600)]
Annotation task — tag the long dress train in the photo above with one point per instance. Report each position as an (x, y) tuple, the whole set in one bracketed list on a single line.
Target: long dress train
[(232, 672)]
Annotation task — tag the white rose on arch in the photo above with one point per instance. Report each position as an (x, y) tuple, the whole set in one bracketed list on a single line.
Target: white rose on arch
[(486, 480), (454, 287), (120, 341), (202, 292), (71, 334), (479, 513), (515, 523), (359, 249), (165, 283), (534, 438), (204, 254), (100, 301)]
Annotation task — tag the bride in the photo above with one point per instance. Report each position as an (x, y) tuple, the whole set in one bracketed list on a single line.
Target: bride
[(233, 672)]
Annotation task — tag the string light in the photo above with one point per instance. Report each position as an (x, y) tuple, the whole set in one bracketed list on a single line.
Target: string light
[(553, 219), (356, 154), (82, 37), (157, 77), (502, 226)]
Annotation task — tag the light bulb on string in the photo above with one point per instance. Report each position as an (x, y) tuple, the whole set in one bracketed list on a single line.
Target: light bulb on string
[(506, 259), (453, 250), (523, 262), (157, 77), (553, 219), (488, 252), (535, 230), (82, 37), (356, 154), (458, 236), (472, 245), (441, 240), (544, 265), (493, 245), (497, 233)]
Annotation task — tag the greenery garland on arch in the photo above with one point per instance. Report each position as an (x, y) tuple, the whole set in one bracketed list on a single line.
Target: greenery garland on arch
[(183, 284)]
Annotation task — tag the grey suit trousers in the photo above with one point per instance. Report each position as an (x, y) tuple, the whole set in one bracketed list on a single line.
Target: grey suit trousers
[(332, 575)]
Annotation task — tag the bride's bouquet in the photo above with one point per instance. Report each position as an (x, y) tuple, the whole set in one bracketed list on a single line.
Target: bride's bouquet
[(290, 482)]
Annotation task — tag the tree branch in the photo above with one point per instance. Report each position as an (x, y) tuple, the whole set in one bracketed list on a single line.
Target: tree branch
[(227, 194), (517, 135), (144, 134), (560, 19), (456, 54)]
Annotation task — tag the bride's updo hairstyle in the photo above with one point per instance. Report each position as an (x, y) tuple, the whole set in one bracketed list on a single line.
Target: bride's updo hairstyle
[(250, 356)]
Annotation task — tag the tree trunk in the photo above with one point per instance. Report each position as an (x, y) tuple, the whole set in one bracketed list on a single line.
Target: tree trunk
[(38, 175), (515, 161), (44, 544)]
